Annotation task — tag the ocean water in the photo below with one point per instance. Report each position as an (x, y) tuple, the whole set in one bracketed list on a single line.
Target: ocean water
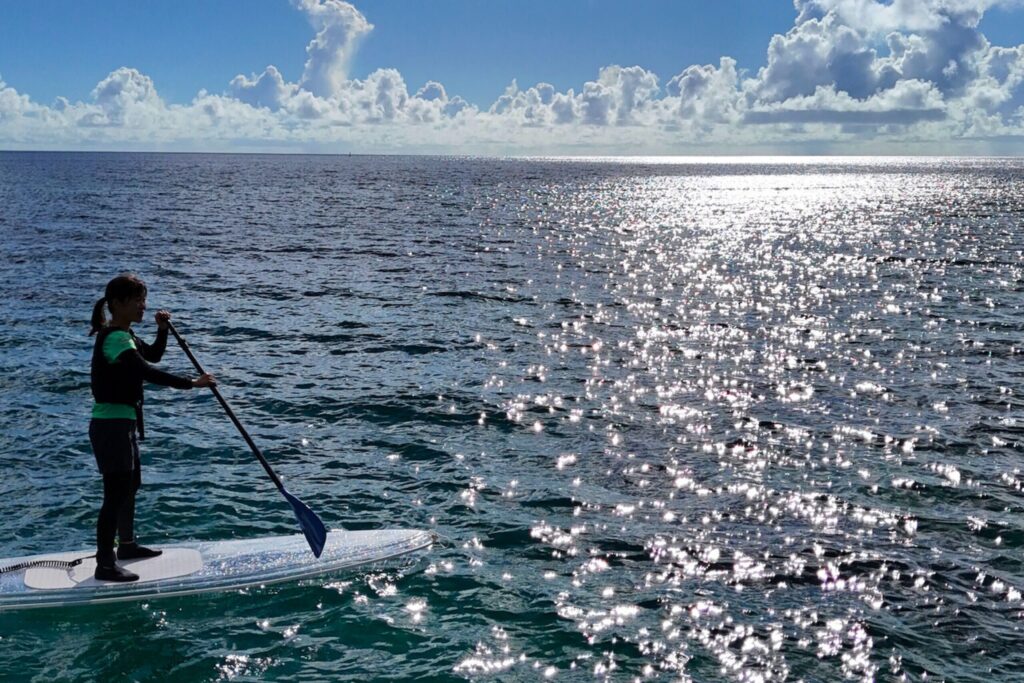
[(676, 420)]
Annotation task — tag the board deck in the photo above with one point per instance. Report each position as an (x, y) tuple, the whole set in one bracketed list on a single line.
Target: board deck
[(174, 562), (222, 566)]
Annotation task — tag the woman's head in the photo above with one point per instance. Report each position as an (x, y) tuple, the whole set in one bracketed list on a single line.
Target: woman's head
[(125, 293)]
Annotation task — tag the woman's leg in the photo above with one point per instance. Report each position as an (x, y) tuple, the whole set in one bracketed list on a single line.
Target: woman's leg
[(117, 491), (111, 443), (127, 547), (126, 514)]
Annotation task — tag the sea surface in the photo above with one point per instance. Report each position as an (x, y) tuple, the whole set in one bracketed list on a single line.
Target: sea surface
[(673, 420)]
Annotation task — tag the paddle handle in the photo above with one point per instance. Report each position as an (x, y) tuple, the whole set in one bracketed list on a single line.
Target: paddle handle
[(227, 409)]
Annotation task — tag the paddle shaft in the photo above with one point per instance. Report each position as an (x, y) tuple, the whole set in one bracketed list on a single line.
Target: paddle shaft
[(227, 409)]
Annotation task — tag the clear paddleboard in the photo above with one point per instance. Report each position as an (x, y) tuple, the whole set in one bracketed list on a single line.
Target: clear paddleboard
[(201, 567)]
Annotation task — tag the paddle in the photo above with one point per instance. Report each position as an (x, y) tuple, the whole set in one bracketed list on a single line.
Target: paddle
[(312, 527)]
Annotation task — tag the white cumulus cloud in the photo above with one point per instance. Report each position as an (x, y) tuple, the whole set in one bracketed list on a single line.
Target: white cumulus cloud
[(12, 104), (707, 93), (340, 27), (269, 89)]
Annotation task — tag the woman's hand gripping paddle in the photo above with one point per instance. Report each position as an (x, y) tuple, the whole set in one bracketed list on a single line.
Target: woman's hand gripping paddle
[(312, 527)]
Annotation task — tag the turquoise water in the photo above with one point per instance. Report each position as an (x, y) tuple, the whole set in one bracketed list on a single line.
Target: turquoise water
[(743, 421)]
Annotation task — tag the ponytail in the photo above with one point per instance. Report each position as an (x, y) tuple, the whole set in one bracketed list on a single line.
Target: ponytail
[(99, 319)]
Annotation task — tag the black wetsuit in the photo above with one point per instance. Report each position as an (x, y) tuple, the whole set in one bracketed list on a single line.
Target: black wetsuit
[(117, 427)]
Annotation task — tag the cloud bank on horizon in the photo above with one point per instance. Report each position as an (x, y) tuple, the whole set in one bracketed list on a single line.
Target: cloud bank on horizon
[(849, 76)]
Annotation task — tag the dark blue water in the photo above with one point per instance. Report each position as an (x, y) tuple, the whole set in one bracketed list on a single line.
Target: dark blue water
[(714, 421)]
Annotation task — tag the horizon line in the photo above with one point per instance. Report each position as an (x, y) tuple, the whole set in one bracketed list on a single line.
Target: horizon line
[(526, 157)]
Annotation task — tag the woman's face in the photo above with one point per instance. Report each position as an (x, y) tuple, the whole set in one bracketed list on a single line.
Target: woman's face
[(132, 309)]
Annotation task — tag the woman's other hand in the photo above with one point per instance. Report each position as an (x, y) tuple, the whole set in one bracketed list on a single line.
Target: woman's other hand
[(204, 380)]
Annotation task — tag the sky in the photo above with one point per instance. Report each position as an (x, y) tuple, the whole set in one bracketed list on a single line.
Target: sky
[(515, 77)]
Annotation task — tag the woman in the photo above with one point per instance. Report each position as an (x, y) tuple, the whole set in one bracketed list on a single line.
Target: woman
[(120, 363)]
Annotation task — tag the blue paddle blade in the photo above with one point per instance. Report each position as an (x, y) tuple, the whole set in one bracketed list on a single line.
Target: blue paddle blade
[(312, 527)]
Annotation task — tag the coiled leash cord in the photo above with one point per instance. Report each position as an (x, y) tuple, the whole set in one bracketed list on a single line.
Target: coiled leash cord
[(67, 565)]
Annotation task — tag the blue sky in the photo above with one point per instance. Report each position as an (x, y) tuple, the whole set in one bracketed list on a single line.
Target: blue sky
[(645, 76), (474, 47)]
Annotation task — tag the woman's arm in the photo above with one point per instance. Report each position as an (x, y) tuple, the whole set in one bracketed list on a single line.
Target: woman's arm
[(138, 366), (155, 351)]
